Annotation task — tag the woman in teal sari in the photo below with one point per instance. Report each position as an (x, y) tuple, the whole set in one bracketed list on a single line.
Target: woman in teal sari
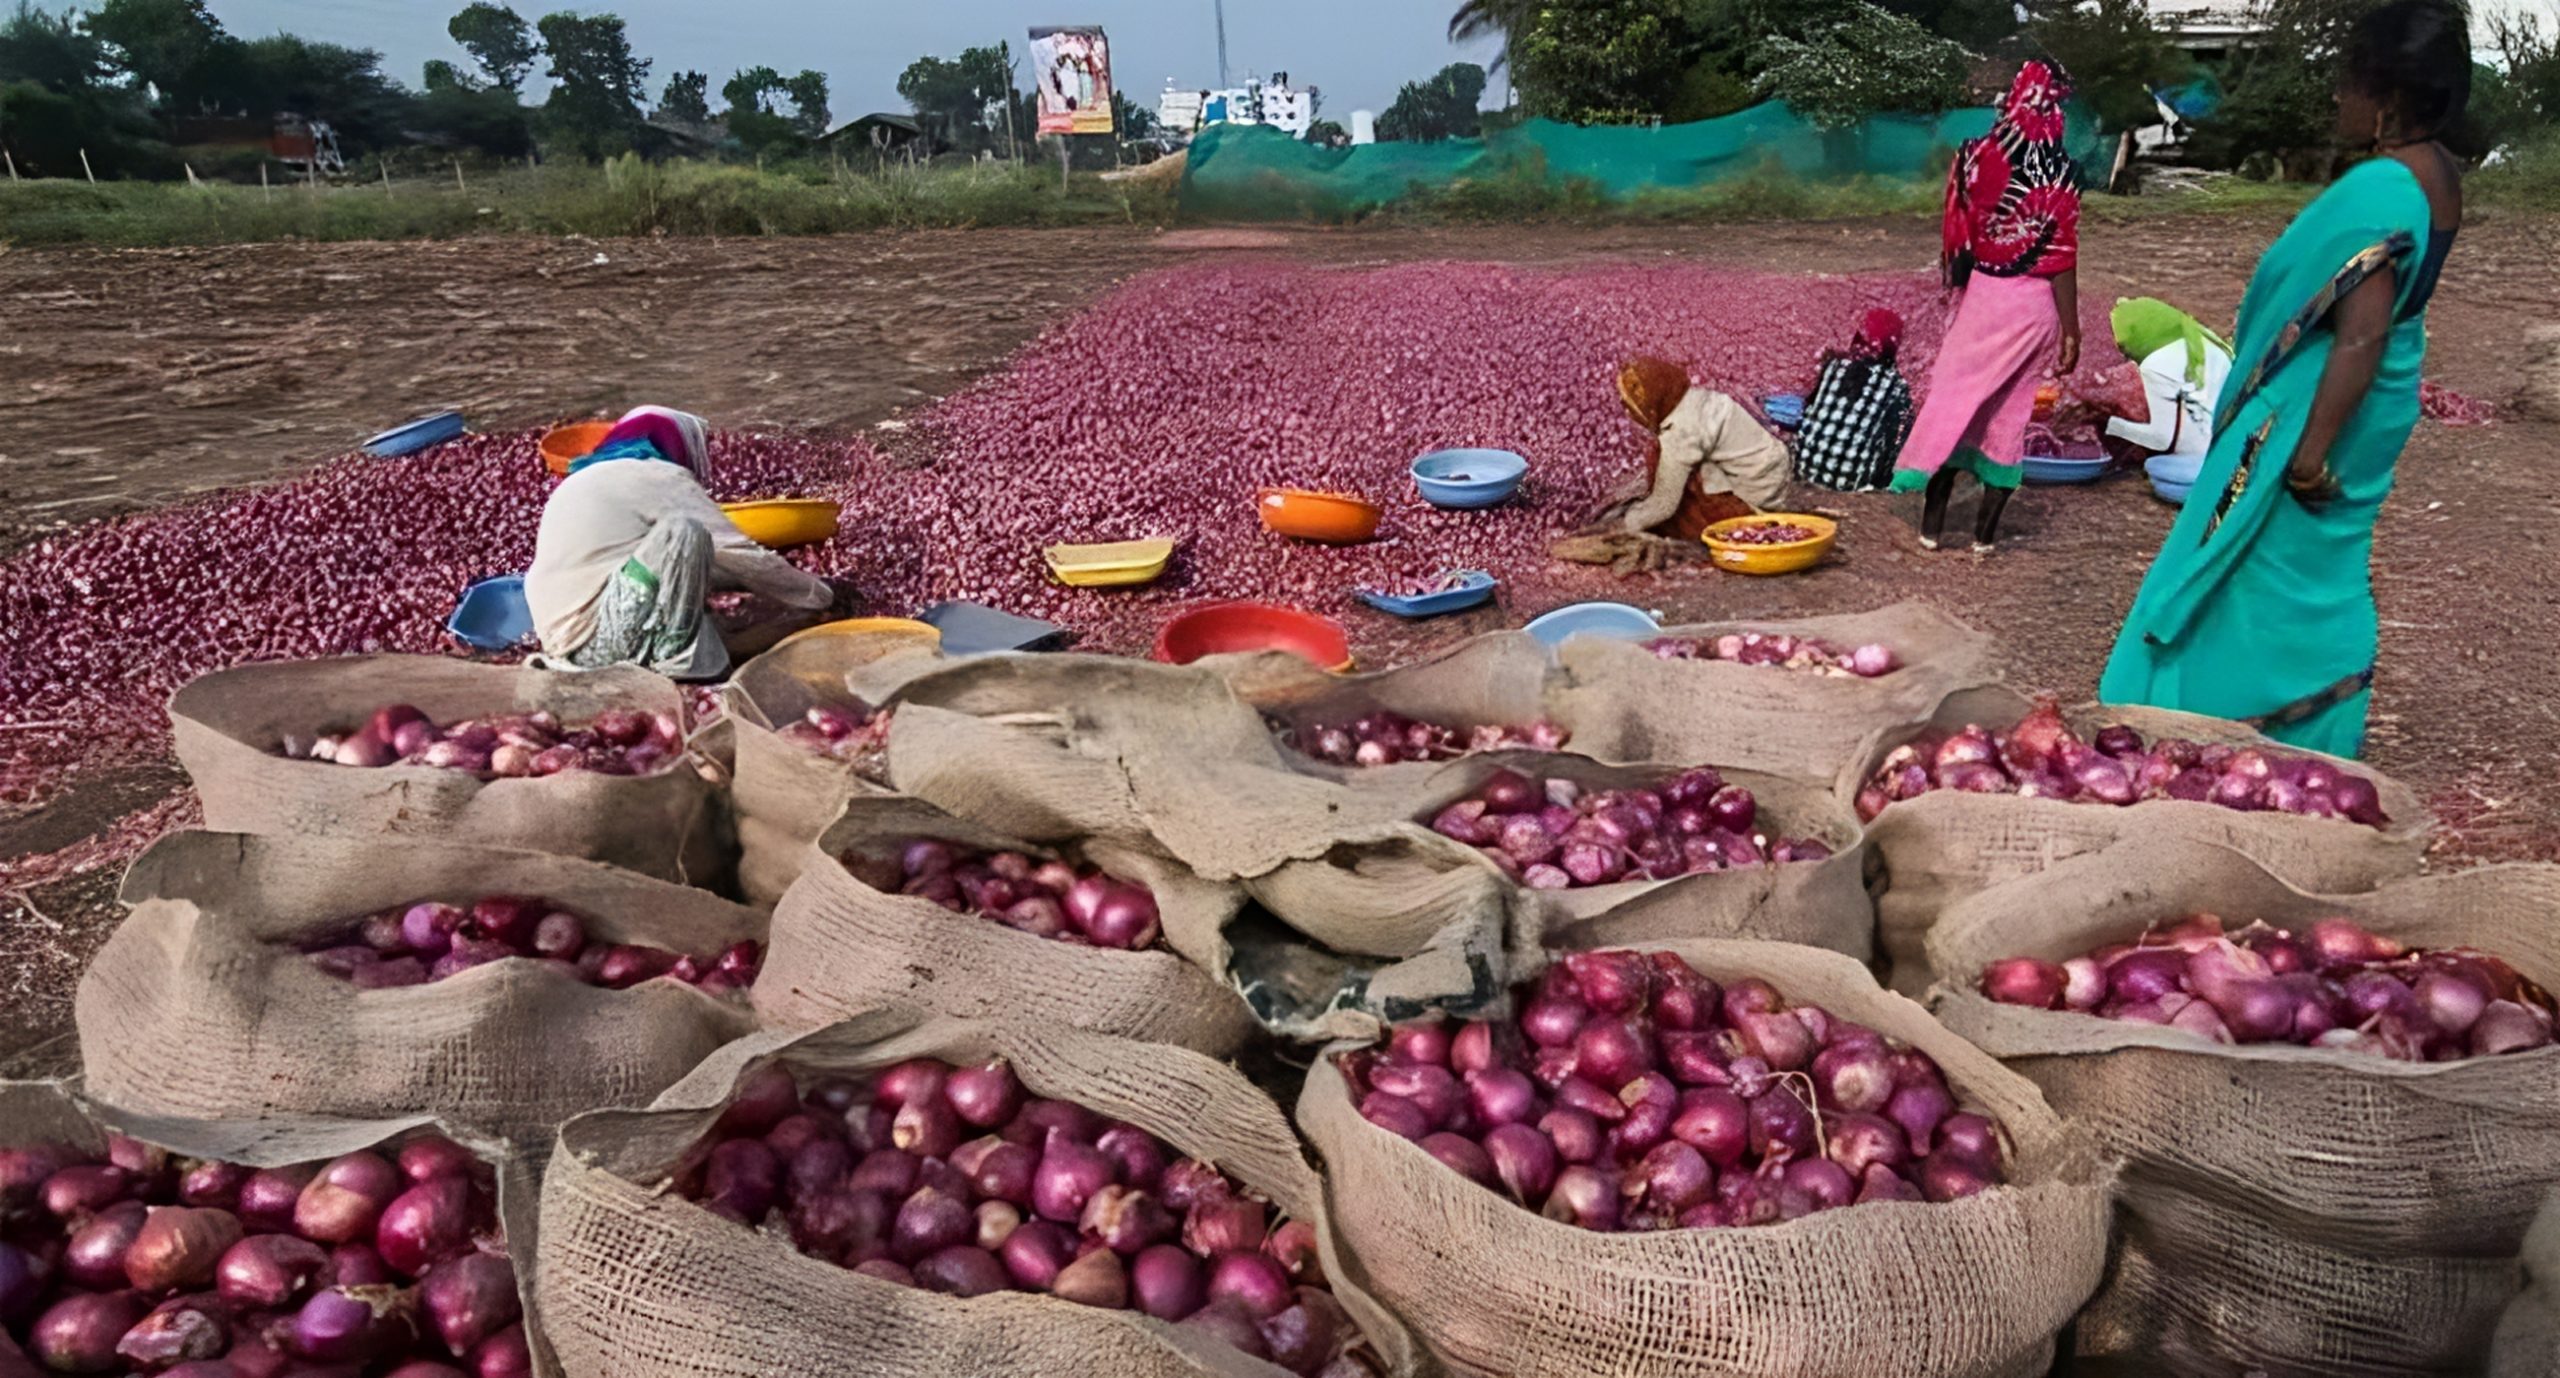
[(2260, 605)]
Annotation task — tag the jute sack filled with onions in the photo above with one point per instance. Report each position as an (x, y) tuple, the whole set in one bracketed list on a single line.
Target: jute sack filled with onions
[(2293, 1209), (193, 1246), (636, 1280), (232, 728), (1392, 730), (1947, 821), (807, 741), (2528, 1339), (1792, 696), (1976, 1280), (209, 1001), (1795, 871), (845, 942)]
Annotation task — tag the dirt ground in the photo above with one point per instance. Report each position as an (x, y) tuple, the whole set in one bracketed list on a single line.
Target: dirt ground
[(141, 378)]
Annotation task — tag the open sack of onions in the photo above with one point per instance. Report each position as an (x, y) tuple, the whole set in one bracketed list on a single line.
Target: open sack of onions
[(808, 740), (900, 903), (2294, 1201), (1788, 696), (341, 1249), (1392, 729), (232, 990), (1940, 843), (1108, 1250), (232, 727), (1526, 1218), (1608, 855)]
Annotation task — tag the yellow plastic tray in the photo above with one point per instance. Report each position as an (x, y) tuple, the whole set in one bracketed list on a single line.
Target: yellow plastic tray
[(1772, 559), (902, 628), (781, 523), (1118, 564)]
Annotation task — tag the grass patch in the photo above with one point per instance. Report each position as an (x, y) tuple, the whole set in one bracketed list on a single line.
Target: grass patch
[(625, 197)]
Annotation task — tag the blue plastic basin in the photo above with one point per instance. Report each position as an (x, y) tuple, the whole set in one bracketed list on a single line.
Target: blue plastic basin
[(417, 435), (1478, 587), (1592, 619), (2052, 469), (1468, 478), (1785, 410), (492, 615)]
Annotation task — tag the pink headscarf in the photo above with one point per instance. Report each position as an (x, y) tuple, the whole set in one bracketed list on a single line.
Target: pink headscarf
[(680, 436)]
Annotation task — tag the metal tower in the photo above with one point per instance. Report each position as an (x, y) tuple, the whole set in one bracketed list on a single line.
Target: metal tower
[(1222, 43)]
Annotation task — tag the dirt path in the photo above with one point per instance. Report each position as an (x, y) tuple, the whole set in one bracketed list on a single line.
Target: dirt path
[(139, 378)]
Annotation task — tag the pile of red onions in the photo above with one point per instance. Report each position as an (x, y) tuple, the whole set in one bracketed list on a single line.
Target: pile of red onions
[(1046, 899), (1766, 533), (854, 734), (621, 741), (1385, 738), (957, 1180), (386, 1263), (1871, 661), (1632, 1093), (1555, 835), (2041, 758), (2333, 985), (431, 940)]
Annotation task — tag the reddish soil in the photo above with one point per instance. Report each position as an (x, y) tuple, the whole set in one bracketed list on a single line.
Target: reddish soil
[(141, 378)]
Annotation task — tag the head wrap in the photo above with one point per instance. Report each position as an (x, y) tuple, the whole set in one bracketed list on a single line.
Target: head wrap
[(1879, 335), (657, 433), (2146, 325), (2013, 197)]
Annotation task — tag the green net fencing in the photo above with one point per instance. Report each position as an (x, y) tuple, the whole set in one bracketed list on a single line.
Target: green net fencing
[(1253, 172)]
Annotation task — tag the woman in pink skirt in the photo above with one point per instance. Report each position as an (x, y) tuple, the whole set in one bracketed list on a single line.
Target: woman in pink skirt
[(2013, 249)]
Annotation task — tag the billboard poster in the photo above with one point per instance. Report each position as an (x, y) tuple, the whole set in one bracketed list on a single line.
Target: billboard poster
[(1073, 67)]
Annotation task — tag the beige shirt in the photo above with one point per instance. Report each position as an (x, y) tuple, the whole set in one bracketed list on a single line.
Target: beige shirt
[(1710, 435), (599, 515)]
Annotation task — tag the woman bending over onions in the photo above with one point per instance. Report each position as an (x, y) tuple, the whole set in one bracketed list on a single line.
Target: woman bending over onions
[(631, 546), (2260, 606), (1706, 460)]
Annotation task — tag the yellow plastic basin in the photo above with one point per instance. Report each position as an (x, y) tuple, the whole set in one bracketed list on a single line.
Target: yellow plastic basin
[(781, 523), (1117, 564), (887, 628), (1772, 559)]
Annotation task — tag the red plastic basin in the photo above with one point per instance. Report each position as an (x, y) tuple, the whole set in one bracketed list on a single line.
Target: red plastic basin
[(1230, 628)]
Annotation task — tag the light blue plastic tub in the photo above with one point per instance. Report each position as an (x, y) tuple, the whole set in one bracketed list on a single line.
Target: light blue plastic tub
[(1592, 619), (1468, 478)]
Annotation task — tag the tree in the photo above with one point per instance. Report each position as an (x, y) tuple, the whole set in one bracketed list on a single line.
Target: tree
[(961, 101), (2116, 57), (2281, 89), (57, 98), (169, 45), (1441, 107), (809, 114), (497, 39), (283, 74), (51, 51), (687, 101), (1328, 134), (596, 83), (751, 90), (1870, 62)]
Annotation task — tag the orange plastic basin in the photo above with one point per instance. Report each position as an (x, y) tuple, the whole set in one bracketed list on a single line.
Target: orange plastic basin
[(1333, 518), (1231, 628), (561, 445)]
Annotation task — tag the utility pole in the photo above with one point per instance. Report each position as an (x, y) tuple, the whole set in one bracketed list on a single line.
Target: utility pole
[(1222, 43), (1012, 145)]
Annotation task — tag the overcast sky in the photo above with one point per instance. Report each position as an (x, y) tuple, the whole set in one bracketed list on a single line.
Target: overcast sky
[(1357, 51)]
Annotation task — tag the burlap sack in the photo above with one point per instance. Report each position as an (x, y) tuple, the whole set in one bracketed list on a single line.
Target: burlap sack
[(1972, 1287), (2297, 1210), (637, 1283), (1502, 679), (1627, 704), (229, 724), (33, 1112), (2528, 1340), (841, 947), (202, 1004), (1944, 846), (783, 794), (1817, 903)]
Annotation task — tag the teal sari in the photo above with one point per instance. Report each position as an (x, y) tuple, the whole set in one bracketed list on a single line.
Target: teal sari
[(2259, 608)]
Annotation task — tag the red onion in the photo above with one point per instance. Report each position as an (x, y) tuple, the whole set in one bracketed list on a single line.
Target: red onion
[(887, 1271), (180, 1330), (1230, 1324), (1036, 1252), (1068, 1176), (1306, 1336), (1127, 1220), (77, 1191), (1252, 1281), (984, 1096), (926, 1128), (468, 1299), (79, 1334), (965, 1270), (427, 1224), (94, 1255), (180, 1247), (1420, 1043), (1096, 1279), (1224, 1224), (1524, 1161), (1293, 1246), (23, 1278), (1167, 1283), (2025, 981), (1461, 1155), (1135, 1155), (744, 1176), (929, 1222), (890, 1172), (1814, 1184), (1715, 1122), (343, 1324), (1396, 1115), (997, 1220)]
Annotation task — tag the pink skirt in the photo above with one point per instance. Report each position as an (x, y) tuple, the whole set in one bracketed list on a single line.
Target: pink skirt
[(1982, 393)]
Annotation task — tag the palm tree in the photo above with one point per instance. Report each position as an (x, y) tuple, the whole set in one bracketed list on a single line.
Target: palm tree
[(1477, 18)]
